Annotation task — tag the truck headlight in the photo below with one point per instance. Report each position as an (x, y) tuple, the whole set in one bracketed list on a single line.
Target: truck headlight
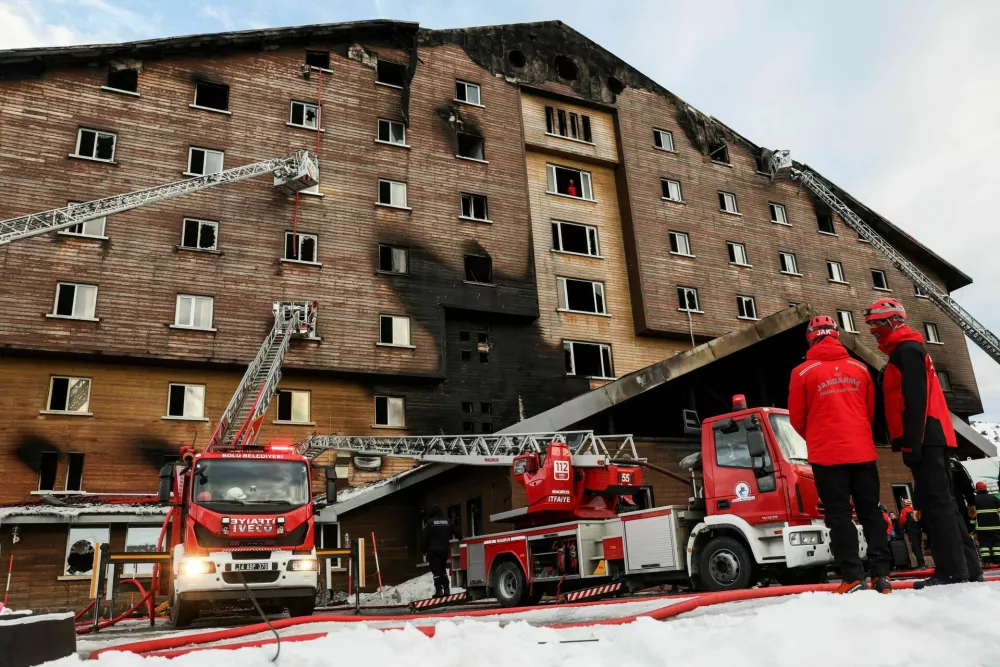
[(197, 566), (302, 564), (803, 539)]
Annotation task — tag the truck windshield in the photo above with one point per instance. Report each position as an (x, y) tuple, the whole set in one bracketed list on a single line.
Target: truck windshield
[(236, 485), (793, 447)]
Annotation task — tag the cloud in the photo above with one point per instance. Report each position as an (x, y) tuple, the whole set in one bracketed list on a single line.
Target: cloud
[(22, 26), (25, 24)]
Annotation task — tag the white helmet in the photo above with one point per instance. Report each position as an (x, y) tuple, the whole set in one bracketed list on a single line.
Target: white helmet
[(235, 493)]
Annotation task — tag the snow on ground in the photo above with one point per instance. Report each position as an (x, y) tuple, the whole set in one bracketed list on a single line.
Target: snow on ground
[(953, 625), (418, 588), (989, 430)]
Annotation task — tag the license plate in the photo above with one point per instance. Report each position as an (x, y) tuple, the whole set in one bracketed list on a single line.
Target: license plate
[(251, 566)]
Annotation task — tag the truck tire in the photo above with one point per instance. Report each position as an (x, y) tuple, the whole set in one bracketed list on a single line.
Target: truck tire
[(301, 606), (725, 565), (182, 613), (509, 585)]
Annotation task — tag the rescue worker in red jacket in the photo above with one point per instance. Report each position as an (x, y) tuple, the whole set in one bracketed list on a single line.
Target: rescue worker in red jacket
[(911, 527), (919, 425), (831, 401)]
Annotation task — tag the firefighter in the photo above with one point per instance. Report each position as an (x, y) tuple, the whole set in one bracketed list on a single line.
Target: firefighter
[(987, 525), (434, 542), (831, 402), (911, 527), (919, 425)]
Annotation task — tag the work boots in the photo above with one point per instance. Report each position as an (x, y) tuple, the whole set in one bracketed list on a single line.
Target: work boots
[(936, 581), (846, 587), (882, 584)]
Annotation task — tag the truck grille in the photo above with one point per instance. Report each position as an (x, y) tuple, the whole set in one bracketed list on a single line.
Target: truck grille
[(250, 555), (256, 577), (208, 540)]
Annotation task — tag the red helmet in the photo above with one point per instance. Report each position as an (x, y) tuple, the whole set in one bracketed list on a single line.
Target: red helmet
[(820, 327), (980, 485), (885, 309)]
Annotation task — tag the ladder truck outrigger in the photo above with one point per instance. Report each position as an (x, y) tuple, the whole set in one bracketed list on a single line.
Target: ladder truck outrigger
[(241, 515), (753, 510)]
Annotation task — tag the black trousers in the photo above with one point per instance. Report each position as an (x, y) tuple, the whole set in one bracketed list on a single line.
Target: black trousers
[(955, 555), (989, 546), (837, 486), (438, 560), (916, 545)]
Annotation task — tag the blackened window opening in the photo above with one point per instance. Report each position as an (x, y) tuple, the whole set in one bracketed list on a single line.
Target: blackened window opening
[(124, 79), (48, 465), (212, 95), (74, 476), (393, 74), (319, 59), (478, 269)]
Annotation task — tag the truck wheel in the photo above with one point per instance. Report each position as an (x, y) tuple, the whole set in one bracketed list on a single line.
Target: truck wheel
[(509, 585), (181, 612), (725, 565), (301, 606)]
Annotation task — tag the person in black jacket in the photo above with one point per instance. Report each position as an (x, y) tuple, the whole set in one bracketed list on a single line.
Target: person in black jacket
[(987, 525), (434, 542), (965, 493)]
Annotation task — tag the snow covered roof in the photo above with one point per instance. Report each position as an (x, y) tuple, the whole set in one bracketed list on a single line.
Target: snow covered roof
[(358, 496), (83, 511)]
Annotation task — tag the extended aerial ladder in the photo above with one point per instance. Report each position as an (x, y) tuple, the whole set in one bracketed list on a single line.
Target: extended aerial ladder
[(781, 163)]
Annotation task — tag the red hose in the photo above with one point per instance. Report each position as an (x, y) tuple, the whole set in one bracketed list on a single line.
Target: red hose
[(84, 628), (90, 605), (253, 644)]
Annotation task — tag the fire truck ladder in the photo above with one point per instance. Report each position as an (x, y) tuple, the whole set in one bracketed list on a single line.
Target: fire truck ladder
[(979, 334), (587, 449), (291, 174), (242, 418)]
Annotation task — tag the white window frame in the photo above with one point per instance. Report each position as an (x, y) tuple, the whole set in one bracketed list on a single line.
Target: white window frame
[(919, 293), (186, 415), (741, 304), (139, 569), (885, 280), (593, 242), (195, 300), (389, 402), (793, 261), (201, 223), (284, 250), (779, 214), (89, 316), (394, 250), (845, 319), (97, 135), (297, 395), (598, 296), (667, 145), (207, 152), (734, 250), (229, 91), (394, 190), (673, 186), (729, 198), (586, 183), (570, 345), (398, 327), (83, 226), (69, 384), (467, 85), (306, 106), (390, 123), (100, 534), (932, 334), (687, 242), (832, 270), (471, 196), (682, 306)]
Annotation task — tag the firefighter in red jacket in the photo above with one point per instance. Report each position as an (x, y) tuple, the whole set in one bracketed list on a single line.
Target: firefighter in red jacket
[(831, 401), (919, 426)]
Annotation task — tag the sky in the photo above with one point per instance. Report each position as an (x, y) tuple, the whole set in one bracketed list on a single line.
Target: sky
[(895, 101)]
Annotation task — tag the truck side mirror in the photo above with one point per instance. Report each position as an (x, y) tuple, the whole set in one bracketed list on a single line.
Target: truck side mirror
[(755, 443), (331, 486), (166, 484)]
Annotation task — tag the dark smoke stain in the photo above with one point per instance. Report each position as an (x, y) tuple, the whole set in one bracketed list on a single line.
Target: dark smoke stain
[(30, 448), (153, 450)]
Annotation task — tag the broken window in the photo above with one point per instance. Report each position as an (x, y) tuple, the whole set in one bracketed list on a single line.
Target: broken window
[(470, 146), (394, 330), (483, 338), (200, 234), (390, 411), (468, 93), (944, 380), (320, 59), (204, 161), (879, 281), (687, 299), (663, 139), (194, 312), (186, 400), (211, 96), (574, 238), (582, 296), (788, 263), (69, 394), (671, 189), (746, 307), (392, 259), (93, 228), (479, 269), (486, 427), (390, 73), (931, 333), (920, 292), (727, 202), (75, 301), (301, 248), (825, 222), (466, 355), (48, 465), (568, 124), (569, 182), (680, 244), (486, 408), (846, 320), (468, 406), (468, 427), (74, 472), (304, 114), (126, 80), (484, 357), (391, 132), (588, 359), (474, 207), (778, 214), (464, 335), (835, 272), (96, 145), (392, 193), (550, 120), (293, 406), (718, 152), (737, 253)]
